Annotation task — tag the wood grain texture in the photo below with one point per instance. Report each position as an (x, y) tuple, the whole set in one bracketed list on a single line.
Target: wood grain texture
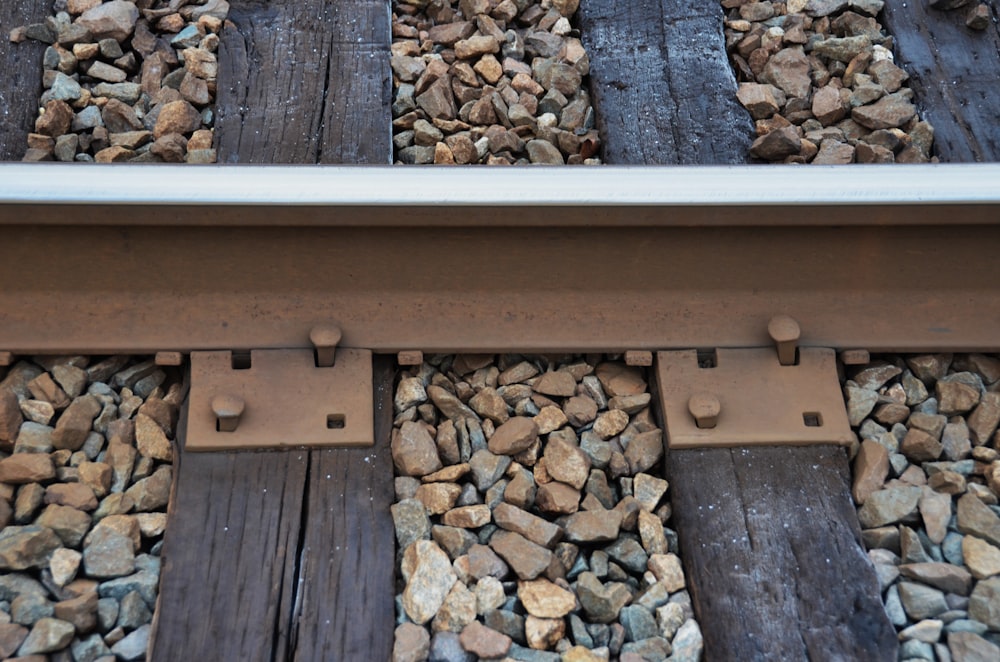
[(318, 93), (346, 608), (773, 552), (955, 75), (229, 556), (662, 87), (20, 76)]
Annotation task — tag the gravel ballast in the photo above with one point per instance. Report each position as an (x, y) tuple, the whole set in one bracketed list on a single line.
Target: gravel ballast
[(818, 78), (531, 517), (492, 82), (926, 482), (86, 458), (127, 82)]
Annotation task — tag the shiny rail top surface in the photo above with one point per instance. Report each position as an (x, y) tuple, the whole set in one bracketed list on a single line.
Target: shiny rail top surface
[(732, 187)]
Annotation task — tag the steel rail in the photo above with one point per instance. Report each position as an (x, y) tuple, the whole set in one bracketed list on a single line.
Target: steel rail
[(125, 258)]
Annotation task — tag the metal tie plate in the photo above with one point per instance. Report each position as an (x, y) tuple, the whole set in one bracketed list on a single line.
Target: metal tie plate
[(748, 398), (281, 399)]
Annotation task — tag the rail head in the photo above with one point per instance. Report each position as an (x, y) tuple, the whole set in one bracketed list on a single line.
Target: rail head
[(559, 197)]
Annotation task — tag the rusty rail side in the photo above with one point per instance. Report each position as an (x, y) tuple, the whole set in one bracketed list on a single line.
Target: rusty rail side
[(626, 258)]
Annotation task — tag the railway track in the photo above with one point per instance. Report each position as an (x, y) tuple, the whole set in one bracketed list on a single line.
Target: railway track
[(256, 278)]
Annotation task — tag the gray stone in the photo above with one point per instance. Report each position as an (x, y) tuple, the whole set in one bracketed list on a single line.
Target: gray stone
[(984, 603), (134, 645), (411, 522), (446, 647), (921, 601), (29, 608), (133, 612), (687, 643), (628, 553), (89, 648), (144, 581), (487, 467), (108, 553), (889, 506), (601, 602), (638, 622)]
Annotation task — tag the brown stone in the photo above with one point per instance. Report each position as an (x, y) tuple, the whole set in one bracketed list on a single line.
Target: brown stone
[(150, 439), (170, 147), (557, 383), (975, 518), (981, 557), (557, 498), (871, 466), (920, 446), (888, 112), (777, 144), (447, 34), (514, 436), (984, 418), (412, 643), (23, 547), (22, 468), (177, 117), (620, 379), (56, 119), (488, 404), (543, 633), (610, 423), (81, 611), (935, 509), (438, 498), (566, 463), (10, 415), (75, 423), (467, 517), (439, 103), (544, 599), (484, 642), (532, 527), (74, 495), (527, 559), (947, 577), (644, 451), (44, 388), (153, 492), (580, 410), (115, 20), (12, 636), (593, 526), (476, 46), (759, 99), (414, 452)]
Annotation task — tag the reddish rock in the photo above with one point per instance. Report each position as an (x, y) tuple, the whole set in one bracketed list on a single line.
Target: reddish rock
[(557, 498), (514, 436), (22, 468), (530, 526), (484, 642), (525, 558), (557, 383), (871, 466), (177, 117), (413, 450), (56, 119)]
